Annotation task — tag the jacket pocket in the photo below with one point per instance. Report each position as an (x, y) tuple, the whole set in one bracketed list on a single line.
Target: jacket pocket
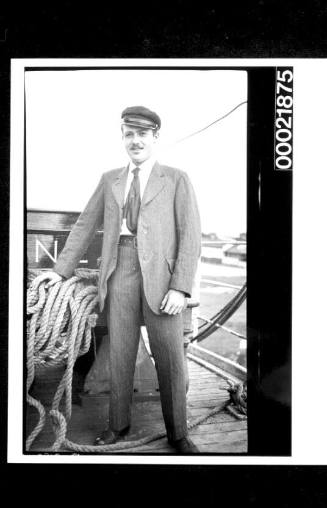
[(171, 264)]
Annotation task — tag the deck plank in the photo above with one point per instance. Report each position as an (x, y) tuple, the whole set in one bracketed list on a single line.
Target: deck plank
[(220, 433)]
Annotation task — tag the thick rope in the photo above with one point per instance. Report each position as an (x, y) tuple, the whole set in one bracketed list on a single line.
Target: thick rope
[(238, 400), (59, 331), (60, 428)]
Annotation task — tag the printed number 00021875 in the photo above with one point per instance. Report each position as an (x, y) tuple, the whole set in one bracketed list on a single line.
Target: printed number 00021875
[(284, 119)]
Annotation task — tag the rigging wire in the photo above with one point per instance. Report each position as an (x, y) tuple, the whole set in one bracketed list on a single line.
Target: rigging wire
[(223, 315), (212, 123)]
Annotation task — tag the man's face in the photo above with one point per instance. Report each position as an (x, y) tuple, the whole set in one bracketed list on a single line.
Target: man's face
[(139, 142)]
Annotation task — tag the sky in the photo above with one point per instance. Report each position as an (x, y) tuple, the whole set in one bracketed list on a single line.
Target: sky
[(73, 135)]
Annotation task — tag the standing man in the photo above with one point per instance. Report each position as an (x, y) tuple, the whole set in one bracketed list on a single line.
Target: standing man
[(151, 246)]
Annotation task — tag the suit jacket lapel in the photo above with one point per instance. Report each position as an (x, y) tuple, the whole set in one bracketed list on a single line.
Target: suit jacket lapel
[(155, 184), (118, 186)]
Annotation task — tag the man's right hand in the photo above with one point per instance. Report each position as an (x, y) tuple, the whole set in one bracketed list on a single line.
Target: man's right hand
[(53, 277)]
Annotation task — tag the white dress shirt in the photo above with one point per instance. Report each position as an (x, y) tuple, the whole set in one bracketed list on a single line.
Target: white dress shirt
[(145, 170)]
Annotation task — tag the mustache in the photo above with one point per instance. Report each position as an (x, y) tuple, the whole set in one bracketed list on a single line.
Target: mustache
[(136, 146)]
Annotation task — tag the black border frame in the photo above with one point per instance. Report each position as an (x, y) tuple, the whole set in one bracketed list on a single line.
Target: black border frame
[(269, 244), (266, 29)]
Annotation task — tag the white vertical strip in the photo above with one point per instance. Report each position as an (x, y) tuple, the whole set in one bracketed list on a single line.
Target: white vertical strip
[(16, 253), (309, 337)]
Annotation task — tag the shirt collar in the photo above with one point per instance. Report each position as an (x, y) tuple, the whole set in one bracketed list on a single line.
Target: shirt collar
[(145, 166)]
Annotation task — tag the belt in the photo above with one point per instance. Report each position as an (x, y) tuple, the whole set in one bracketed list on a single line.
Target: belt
[(128, 240)]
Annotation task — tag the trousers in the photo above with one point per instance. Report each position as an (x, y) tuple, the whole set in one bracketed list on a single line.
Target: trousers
[(127, 309)]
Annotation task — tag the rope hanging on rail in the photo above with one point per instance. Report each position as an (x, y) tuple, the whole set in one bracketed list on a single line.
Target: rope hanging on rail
[(58, 332)]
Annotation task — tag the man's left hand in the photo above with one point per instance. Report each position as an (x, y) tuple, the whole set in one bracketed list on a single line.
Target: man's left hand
[(173, 302)]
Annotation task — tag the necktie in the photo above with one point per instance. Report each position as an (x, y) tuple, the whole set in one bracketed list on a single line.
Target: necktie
[(133, 202)]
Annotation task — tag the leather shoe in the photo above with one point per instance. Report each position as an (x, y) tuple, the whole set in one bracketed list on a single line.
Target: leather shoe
[(109, 436), (184, 445)]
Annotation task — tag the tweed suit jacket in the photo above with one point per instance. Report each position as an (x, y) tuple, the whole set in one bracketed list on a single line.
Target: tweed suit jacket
[(168, 232)]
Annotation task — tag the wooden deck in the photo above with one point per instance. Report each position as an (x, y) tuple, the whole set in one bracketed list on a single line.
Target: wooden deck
[(221, 433)]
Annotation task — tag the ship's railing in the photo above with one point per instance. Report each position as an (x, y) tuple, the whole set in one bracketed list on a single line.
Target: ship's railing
[(209, 325)]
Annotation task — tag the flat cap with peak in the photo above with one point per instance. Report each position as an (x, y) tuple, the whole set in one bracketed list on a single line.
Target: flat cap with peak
[(139, 116)]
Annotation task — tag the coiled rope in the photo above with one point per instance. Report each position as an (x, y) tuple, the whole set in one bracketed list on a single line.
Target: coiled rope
[(58, 332), (237, 405)]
